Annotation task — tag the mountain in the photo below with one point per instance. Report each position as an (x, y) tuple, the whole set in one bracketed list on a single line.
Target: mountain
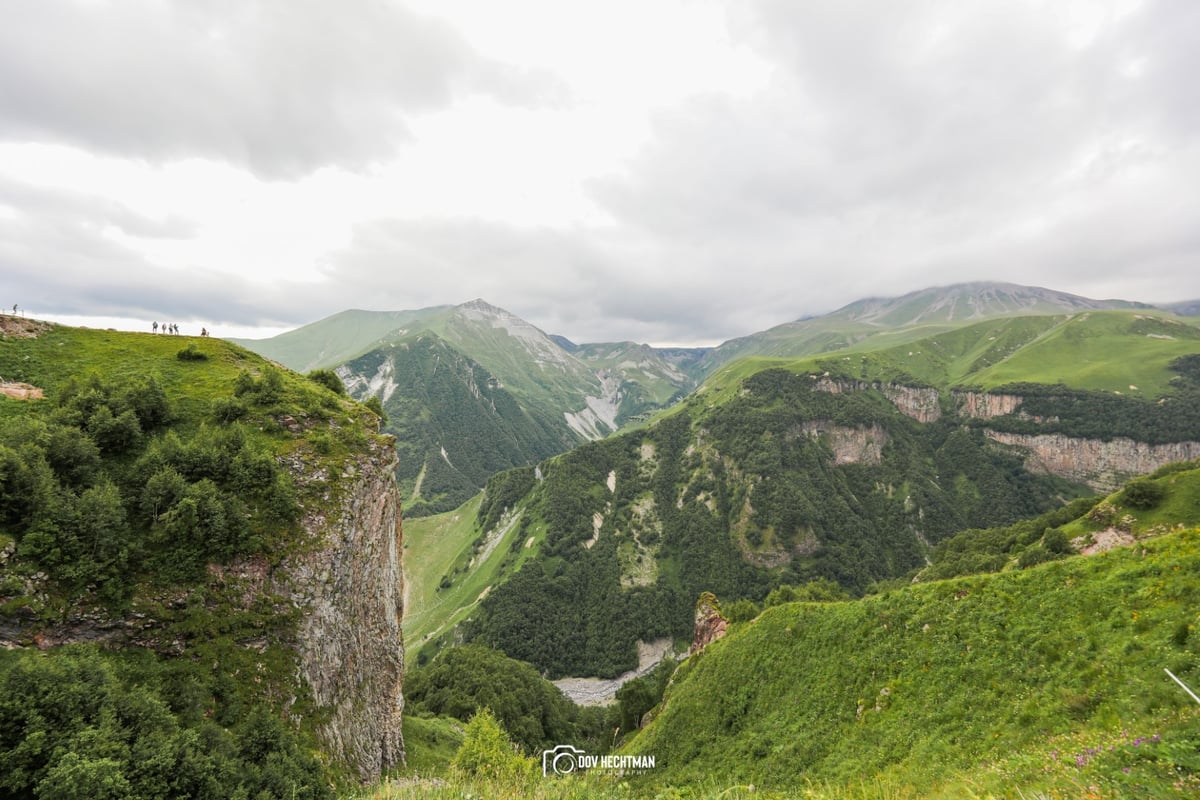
[(1187, 308), (194, 544), (849, 469), (473, 389), (335, 339), (455, 423), (911, 316)]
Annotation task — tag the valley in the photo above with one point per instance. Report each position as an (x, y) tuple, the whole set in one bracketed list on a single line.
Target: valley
[(946, 545)]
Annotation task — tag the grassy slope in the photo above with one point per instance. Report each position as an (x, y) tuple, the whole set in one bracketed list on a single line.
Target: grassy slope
[(1102, 350), (923, 684), (433, 547), (62, 352), (213, 620)]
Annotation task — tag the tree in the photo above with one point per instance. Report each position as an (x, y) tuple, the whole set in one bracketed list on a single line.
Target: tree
[(329, 379), (486, 751)]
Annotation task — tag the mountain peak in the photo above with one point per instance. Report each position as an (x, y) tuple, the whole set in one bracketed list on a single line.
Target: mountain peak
[(483, 306), (962, 302)]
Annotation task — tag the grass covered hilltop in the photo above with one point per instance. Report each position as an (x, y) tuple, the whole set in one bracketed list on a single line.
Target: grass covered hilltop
[(157, 493)]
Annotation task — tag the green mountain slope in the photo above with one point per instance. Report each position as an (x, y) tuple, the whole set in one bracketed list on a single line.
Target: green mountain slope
[(336, 339), (454, 422), (473, 389), (1122, 352), (781, 484), (847, 469), (1046, 679), (898, 320)]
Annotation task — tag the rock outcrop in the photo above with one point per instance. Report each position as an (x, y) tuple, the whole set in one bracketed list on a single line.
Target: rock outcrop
[(710, 623), (349, 590), (849, 445), (981, 405), (922, 403), (1101, 465), (343, 580)]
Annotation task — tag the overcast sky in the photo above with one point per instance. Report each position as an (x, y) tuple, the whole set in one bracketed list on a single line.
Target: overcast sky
[(669, 171)]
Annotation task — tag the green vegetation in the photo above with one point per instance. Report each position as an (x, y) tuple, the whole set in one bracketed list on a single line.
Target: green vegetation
[(120, 494), (455, 424), (779, 485), (1036, 680), (81, 723), (463, 681)]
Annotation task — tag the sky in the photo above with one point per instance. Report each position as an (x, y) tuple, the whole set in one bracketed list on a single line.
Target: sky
[(664, 171)]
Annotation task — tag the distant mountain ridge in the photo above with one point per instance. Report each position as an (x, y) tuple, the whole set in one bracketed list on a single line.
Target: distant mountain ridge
[(474, 389), (550, 393), (921, 312)]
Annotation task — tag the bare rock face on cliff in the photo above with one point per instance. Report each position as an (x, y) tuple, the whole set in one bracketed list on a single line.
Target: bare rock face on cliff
[(349, 591), (710, 623)]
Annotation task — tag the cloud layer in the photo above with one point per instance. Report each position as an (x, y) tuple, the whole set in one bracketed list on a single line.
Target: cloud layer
[(882, 148)]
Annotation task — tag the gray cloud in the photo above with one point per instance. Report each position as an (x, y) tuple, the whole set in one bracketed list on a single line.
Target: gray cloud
[(896, 146), (281, 87), (905, 145)]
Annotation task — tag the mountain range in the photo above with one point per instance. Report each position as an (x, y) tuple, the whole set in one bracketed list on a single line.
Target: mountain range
[(520, 394)]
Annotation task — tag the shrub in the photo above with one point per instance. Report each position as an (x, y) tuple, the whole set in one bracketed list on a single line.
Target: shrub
[(487, 752), (1143, 493), (190, 353), (329, 379)]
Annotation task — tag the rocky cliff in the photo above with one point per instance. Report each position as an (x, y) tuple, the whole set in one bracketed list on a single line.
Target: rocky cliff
[(1099, 464), (344, 584), (922, 403), (981, 405), (349, 591)]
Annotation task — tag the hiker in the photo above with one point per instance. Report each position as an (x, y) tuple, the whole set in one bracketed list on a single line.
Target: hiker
[(154, 327)]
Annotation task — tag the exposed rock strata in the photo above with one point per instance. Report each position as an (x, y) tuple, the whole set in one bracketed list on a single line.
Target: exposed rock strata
[(1101, 465), (710, 623), (921, 403), (850, 445), (346, 585), (981, 405)]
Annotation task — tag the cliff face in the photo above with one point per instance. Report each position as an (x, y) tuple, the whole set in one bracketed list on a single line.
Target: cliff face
[(850, 445), (921, 403), (980, 405), (1101, 465), (349, 591), (344, 582)]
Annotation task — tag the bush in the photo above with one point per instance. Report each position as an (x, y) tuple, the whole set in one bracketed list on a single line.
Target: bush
[(329, 379), (1143, 493), (486, 751), (228, 409), (190, 353)]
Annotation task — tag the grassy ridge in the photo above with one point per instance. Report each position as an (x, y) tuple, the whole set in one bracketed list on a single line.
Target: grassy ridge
[(1112, 351), (937, 680)]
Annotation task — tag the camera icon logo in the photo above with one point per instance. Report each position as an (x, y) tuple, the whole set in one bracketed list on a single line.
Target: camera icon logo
[(562, 760)]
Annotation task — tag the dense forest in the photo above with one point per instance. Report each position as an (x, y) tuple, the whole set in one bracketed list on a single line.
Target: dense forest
[(455, 424), (738, 500)]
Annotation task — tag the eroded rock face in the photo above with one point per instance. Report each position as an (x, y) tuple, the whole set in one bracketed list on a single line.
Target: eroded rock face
[(850, 445), (346, 585), (710, 624), (349, 590), (921, 403), (1101, 465), (980, 405)]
